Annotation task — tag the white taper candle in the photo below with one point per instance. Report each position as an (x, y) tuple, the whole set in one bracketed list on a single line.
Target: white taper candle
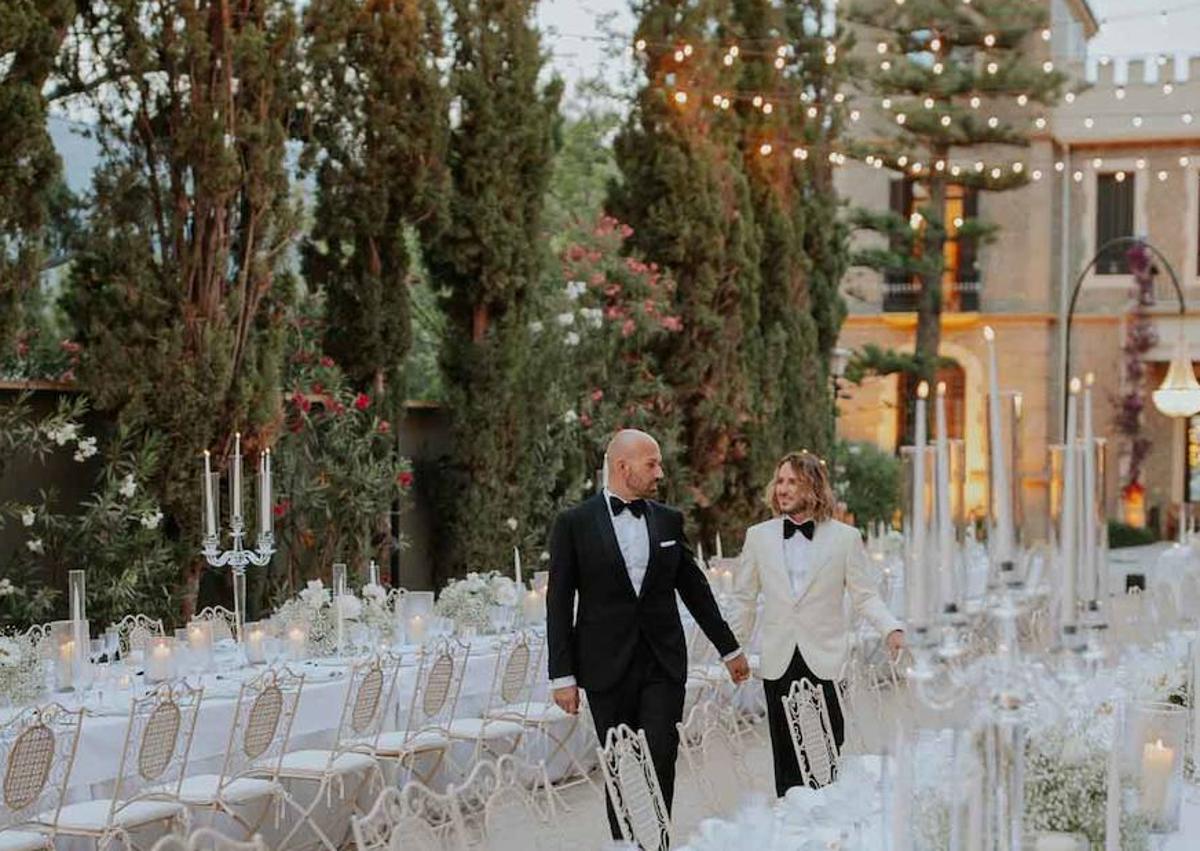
[(1001, 496), (945, 526), (1070, 503)]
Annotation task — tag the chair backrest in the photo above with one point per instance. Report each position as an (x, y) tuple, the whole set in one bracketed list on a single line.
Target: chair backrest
[(633, 788), (36, 637), (135, 631), (439, 681), (712, 750), (812, 733), (501, 804), (207, 839), (414, 818), (370, 695), (37, 750), (158, 740), (262, 724), (224, 622), (515, 675)]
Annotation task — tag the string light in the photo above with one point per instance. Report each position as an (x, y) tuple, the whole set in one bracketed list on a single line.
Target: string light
[(1069, 97), (1120, 93), (1060, 166), (1048, 66), (1162, 176), (945, 120), (1037, 174), (929, 103), (1140, 164), (989, 40), (1040, 123), (1184, 161), (1168, 88), (975, 101), (1078, 177), (993, 122), (881, 48), (1097, 163), (1022, 99), (1120, 175), (681, 97), (1089, 122), (799, 153), (938, 67), (1188, 118), (992, 67), (765, 149), (901, 118), (1045, 35), (767, 109)]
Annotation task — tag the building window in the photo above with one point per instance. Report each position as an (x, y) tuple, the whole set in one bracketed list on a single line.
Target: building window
[(958, 253), (1114, 219)]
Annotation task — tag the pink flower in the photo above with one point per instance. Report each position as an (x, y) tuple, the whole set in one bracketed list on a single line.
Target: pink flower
[(585, 420), (384, 427), (326, 361), (70, 346), (576, 253), (597, 395), (301, 401), (362, 401), (404, 479), (626, 231), (628, 328), (671, 323), (650, 307), (281, 508)]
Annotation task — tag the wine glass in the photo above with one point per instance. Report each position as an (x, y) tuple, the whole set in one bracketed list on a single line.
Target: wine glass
[(112, 643)]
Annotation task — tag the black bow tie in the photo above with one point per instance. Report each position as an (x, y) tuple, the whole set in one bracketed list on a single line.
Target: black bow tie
[(636, 507), (790, 526)]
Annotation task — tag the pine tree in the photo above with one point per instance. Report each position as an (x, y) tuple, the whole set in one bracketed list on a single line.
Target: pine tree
[(378, 138), (488, 259), (30, 36), (955, 80), (179, 290)]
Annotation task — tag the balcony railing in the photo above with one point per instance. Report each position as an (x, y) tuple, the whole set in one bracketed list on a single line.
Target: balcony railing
[(962, 297)]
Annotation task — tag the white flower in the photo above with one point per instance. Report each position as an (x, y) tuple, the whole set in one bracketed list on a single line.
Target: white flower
[(351, 607), (151, 519), (572, 339), (314, 595), (545, 556), (575, 289), (63, 435), (27, 517), (565, 319), (85, 449), (36, 546), (375, 592), (504, 591), (511, 523), (593, 316), (128, 486), (535, 327), (570, 416), (7, 589)]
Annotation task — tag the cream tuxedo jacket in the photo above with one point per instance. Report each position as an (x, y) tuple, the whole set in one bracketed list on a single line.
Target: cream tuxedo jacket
[(814, 617)]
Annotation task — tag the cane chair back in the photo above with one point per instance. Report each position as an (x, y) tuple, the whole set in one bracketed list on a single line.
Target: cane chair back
[(207, 839), (712, 751), (37, 751), (633, 789), (262, 725), (158, 739), (439, 682), (370, 696), (811, 733)]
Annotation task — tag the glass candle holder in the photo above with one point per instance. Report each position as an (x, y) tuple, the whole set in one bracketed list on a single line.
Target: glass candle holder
[(256, 644), (70, 653), (200, 643), (1154, 739), (296, 638), (160, 659), (416, 628), (533, 607)]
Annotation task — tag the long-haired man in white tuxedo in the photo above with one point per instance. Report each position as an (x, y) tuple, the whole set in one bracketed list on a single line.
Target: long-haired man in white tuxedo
[(804, 563)]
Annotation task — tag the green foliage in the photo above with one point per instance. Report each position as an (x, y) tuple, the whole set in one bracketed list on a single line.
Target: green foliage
[(583, 169), (378, 114), (1121, 535), (867, 479), (179, 290), (338, 470), (487, 261), (117, 533), (30, 35)]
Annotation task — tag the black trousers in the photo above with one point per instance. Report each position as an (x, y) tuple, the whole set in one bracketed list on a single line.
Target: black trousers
[(787, 770), (648, 699)]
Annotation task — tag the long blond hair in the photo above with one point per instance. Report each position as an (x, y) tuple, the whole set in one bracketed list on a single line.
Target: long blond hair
[(814, 476)]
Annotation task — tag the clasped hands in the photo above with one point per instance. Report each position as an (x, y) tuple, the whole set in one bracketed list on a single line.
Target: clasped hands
[(567, 697)]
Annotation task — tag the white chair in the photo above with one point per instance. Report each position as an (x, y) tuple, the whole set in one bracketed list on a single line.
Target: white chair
[(633, 789), (369, 696), (207, 839), (258, 737), (37, 750), (414, 818), (426, 736), (134, 633), (154, 758), (812, 733), (507, 806), (713, 754), (499, 727), (224, 622)]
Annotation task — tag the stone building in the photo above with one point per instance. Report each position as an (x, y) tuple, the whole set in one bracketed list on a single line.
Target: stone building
[(1120, 157)]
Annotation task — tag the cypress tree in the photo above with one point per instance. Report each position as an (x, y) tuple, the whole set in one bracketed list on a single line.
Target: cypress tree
[(377, 140), (488, 259)]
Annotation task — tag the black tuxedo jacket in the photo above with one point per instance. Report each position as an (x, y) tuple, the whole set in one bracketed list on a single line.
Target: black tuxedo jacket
[(596, 643)]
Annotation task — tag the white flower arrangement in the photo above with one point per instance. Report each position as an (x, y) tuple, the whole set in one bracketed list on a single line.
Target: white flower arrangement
[(85, 449), (467, 601), (22, 679), (593, 316), (375, 612)]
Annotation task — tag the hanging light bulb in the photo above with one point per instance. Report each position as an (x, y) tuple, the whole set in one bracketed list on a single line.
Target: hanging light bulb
[(678, 55), (1179, 393), (881, 48), (902, 161), (1060, 166), (1140, 164), (935, 45), (1089, 122), (1078, 177), (813, 112), (1188, 118), (1137, 121), (768, 109), (1022, 99), (758, 101), (938, 67), (1047, 66), (681, 98), (799, 153), (687, 50), (901, 118), (989, 40), (734, 51), (765, 149), (1018, 168), (1097, 163), (929, 103), (1069, 97), (955, 170), (1037, 174), (779, 63), (640, 44), (1045, 35), (996, 174), (975, 101), (727, 59), (716, 100), (1120, 177), (945, 120), (993, 122), (992, 67), (886, 103), (1040, 123), (855, 115), (1184, 161), (1162, 176), (1168, 88)]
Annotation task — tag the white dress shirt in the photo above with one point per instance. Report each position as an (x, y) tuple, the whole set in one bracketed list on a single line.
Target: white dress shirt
[(795, 558)]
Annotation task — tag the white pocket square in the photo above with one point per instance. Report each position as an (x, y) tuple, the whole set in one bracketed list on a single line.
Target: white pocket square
[(670, 543)]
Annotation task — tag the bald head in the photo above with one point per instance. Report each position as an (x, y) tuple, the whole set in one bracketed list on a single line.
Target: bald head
[(634, 464)]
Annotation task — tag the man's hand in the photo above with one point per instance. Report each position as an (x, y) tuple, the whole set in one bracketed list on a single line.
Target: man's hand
[(739, 668), (567, 699), (895, 642)]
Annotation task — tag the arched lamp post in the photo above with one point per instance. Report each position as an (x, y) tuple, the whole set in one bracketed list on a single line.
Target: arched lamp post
[(1178, 397)]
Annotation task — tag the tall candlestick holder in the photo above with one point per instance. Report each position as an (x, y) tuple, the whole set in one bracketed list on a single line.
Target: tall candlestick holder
[(238, 557)]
